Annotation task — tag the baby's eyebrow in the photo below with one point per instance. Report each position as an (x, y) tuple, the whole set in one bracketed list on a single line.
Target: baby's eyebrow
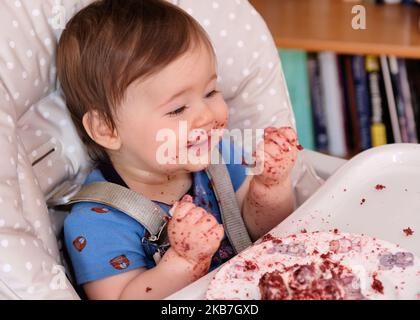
[(180, 93)]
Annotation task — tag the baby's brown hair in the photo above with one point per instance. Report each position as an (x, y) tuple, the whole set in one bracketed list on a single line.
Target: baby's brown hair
[(111, 43)]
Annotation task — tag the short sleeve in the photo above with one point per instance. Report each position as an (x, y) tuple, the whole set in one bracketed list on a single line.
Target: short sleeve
[(233, 155), (102, 242)]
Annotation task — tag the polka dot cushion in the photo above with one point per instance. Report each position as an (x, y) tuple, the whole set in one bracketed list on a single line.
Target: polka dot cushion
[(40, 147)]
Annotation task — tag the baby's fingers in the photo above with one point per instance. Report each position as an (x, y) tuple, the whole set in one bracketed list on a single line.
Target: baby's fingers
[(215, 235), (206, 222), (180, 209), (193, 217), (185, 199), (289, 133)]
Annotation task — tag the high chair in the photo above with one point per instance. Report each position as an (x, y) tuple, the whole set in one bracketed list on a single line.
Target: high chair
[(43, 159)]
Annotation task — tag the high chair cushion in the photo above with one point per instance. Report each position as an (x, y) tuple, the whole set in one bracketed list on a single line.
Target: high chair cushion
[(40, 149), (40, 146)]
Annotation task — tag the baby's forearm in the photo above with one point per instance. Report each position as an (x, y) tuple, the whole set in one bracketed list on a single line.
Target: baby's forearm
[(265, 207), (170, 275)]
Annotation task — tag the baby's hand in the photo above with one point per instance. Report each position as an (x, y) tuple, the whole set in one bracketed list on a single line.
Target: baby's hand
[(193, 232), (280, 152)]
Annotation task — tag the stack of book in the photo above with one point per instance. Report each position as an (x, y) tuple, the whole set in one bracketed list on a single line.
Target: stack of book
[(345, 104)]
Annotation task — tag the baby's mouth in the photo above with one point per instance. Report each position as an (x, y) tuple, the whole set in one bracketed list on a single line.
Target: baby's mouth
[(199, 141), (199, 138)]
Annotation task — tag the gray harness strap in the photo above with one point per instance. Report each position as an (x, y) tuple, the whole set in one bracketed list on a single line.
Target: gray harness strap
[(143, 210), (231, 214)]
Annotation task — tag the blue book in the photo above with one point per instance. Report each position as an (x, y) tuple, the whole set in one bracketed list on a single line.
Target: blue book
[(362, 100), (294, 64)]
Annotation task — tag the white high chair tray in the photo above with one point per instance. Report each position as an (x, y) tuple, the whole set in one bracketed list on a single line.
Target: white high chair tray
[(377, 193)]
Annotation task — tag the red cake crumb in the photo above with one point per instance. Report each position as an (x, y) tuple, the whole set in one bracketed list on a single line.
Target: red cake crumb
[(250, 266), (377, 285), (270, 237), (303, 231), (148, 289), (408, 232), (362, 201), (299, 147), (310, 282), (379, 187), (272, 286), (267, 237), (326, 256)]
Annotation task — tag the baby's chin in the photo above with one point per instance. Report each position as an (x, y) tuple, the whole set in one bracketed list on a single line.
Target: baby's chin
[(196, 167), (188, 167), (176, 169)]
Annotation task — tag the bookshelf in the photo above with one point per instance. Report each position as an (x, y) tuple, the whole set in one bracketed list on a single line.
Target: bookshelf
[(325, 25)]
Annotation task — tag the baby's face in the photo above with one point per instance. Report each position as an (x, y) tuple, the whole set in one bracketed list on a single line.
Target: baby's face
[(172, 105)]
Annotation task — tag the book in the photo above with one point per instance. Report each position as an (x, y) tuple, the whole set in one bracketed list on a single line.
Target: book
[(317, 103), (330, 85), (352, 123), (396, 133), (404, 89), (362, 100), (351, 94), (378, 128), (386, 116), (413, 71), (295, 70), (402, 117)]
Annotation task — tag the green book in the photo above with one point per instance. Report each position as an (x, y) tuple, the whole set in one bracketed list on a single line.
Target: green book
[(295, 70)]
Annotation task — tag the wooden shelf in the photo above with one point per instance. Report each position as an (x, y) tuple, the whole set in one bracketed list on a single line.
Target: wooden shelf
[(325, 25)]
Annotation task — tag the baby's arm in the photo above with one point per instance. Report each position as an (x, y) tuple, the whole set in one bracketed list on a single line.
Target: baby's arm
[(170, 275), (194, 235), (267, 199)]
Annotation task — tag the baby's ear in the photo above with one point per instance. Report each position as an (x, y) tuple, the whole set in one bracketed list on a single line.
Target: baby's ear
[(100, 131)]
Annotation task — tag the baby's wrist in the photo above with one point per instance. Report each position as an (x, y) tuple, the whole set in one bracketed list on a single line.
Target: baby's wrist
[(265, 181), (196, 267)]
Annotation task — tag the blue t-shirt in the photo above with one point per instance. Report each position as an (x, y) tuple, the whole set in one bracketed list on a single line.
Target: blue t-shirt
[(103, 241)]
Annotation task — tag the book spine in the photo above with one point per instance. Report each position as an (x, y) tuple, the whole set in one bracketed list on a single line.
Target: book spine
[(390, 100), (378, 129), (404, 88), (413, 70), (318, 112), (351, 96), (402, 118), (362, 101), (333, 104)]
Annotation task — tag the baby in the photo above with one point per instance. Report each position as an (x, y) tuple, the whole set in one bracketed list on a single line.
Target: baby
[(128, 69)]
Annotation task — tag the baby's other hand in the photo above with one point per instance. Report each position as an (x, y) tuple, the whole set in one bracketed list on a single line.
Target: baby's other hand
[(280, 152), (193, 232)]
